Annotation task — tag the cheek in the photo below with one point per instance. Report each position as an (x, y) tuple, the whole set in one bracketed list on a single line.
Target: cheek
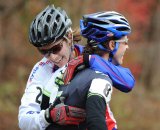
[(118, 54), (116, 57), (66, 50), (120, 50)]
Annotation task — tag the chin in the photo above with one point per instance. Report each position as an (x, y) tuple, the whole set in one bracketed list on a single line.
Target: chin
[(60, 65), (121, 62)]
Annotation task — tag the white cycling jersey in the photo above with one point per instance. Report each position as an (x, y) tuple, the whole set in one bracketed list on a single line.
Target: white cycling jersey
[(41, 80)]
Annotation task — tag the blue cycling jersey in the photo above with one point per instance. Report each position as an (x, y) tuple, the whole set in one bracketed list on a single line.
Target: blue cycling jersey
[(121, 77)]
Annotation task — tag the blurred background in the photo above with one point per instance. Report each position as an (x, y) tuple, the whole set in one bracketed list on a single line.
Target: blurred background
[(137, 110)]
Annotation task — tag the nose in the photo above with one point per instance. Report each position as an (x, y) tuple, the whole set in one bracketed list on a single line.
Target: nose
[(127, 46)]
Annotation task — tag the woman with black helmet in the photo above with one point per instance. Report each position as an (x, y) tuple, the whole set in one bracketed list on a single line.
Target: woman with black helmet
[(51, 33)]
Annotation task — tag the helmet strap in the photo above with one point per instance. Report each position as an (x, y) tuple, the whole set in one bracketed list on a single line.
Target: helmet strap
[(112, 53), (69, 37), (103, 48)]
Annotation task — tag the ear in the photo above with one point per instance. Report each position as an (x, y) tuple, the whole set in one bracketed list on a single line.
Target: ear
[(111, 45), (69, 35)]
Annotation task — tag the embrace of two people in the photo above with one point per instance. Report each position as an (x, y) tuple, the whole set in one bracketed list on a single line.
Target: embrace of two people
[(71, 86)]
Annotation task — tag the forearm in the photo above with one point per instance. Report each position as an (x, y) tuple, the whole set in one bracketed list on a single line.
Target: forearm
[(32, 120), (95, 109), (30, 116)]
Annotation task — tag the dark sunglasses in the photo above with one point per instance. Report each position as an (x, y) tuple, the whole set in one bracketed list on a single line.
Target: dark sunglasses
[(55, 49)]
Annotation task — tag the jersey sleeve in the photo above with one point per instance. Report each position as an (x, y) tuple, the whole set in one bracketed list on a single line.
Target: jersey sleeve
[(101, 88), (41, 82), (121, 77), (30, 116), (98, 97)]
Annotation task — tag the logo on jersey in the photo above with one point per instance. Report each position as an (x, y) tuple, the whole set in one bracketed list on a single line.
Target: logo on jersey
[(32, 112), (107, 90), (33, 73)]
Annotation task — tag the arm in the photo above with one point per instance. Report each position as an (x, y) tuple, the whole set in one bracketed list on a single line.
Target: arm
[(99, 96), (30, 116), (121, 77), (95, 108)]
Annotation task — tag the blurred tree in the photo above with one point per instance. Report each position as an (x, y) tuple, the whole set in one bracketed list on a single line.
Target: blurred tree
[(151, 71), (8, 9), (139, 13)]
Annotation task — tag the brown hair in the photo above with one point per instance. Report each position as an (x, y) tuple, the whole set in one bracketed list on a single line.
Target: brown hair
[(93, 50), (76, 35), (90, 49)]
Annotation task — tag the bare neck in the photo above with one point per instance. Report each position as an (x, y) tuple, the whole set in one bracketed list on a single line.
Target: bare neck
[(106, 56)]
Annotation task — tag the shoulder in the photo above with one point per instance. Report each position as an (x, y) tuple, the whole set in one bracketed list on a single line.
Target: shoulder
[(88, 75), (100, 80), (41, 70), (79, 47), (101, 86)]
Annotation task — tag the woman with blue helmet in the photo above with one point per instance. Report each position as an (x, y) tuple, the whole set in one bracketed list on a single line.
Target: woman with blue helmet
[(106, 33), (102, 27)]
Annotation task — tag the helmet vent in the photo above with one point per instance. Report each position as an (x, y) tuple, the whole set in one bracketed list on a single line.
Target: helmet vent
[(122, 29), (34, 21), (100, 35), (38, 25), (105, 16), (48, 18), (99, 22), (39, 35), (52, 11), (43, 13), (115, 21), (61, 27), (124, 20), (91, 32), (33, 34), (54, 28), (66, 18), (45, 30), (58, 18)]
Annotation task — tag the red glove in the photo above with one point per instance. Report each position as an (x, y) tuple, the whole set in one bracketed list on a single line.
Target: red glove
[(66, 115), (74, 66)]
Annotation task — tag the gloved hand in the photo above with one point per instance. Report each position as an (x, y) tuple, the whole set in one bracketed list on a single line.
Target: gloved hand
[(75, 65), (59, 76), (65, 115)]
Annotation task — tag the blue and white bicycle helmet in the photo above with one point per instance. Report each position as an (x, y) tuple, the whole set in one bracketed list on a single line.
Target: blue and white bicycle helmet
[(96, 26), (100, 27), (48, 26)]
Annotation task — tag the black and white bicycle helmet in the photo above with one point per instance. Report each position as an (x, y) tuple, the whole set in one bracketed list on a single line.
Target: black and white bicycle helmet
[(49, 25)]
